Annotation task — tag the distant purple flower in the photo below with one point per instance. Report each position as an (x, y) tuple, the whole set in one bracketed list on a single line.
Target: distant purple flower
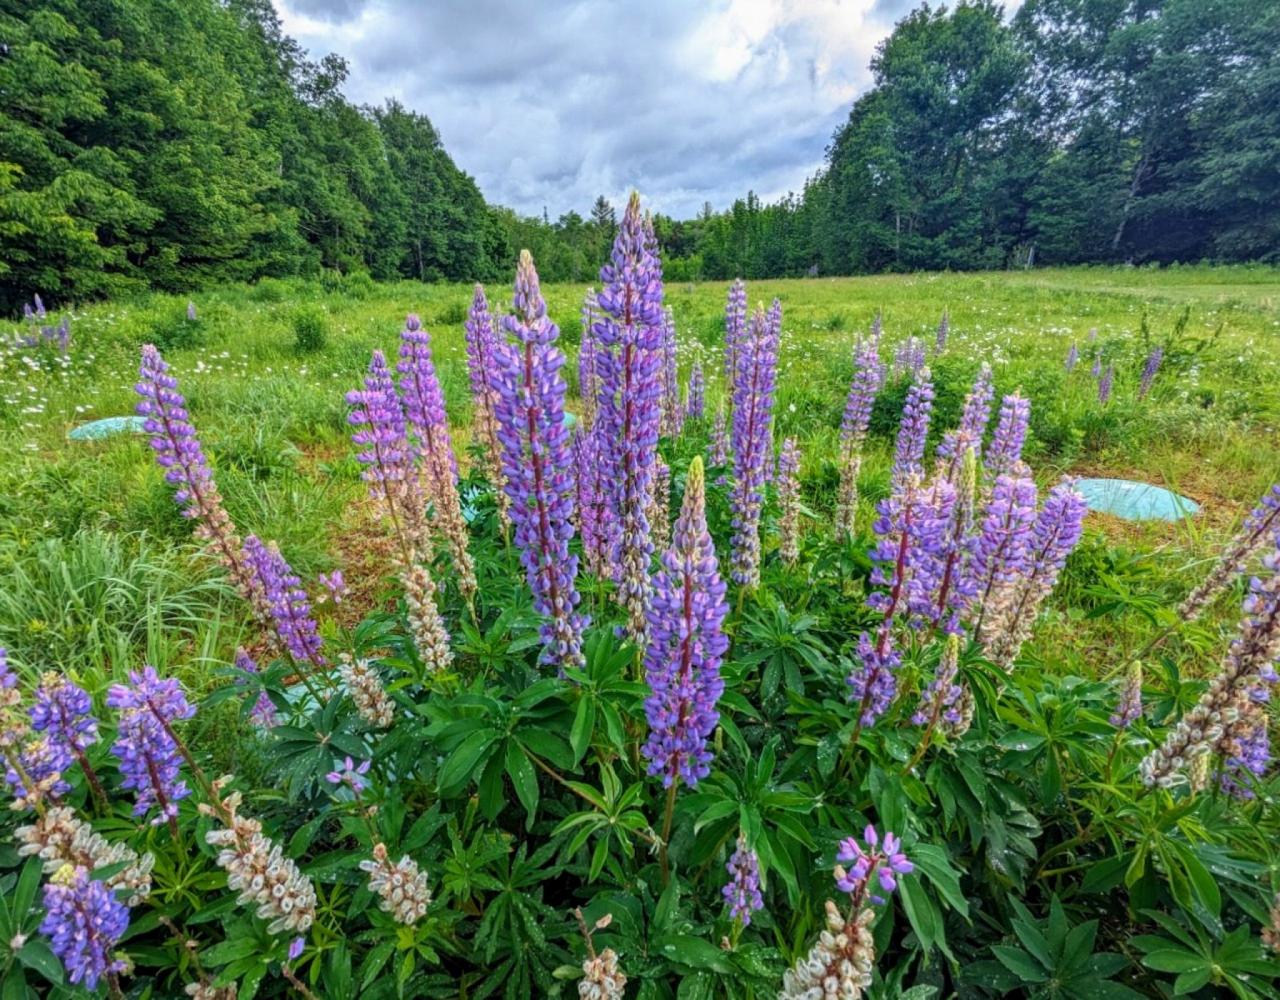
[(1149, 371), (264, 712), (735, 327), (335, 584), (742, 892), (973, 425), (868, 377), (909, 358), (83, 921), (879, 860), (149, 758), (877, 330), (672, 414), (944, 328), (629, 361), (718, 452), (753, 399), (1129, 706), (1073, 357), (1093, 335), (914, 429), (1005, 454), (537, 465), (685, 647), (287, 601), (351, 774), (1105, 381), (191, 311), (695, 394)]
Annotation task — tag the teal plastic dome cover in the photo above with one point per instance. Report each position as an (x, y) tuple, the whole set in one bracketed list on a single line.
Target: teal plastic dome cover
[(107, 427), (1135, 501)]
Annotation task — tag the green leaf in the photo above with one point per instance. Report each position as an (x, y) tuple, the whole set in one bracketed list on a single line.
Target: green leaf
[(1019, 963), (925, 919), (1175, 960), (37, 956), (525, 781), (694, 952), (457, 770), (584, 724)]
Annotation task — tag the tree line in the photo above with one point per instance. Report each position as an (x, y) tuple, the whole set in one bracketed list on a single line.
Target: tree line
[(176, 143)]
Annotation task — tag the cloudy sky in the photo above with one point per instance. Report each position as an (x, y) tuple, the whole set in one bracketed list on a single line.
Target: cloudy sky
[(550, 103)]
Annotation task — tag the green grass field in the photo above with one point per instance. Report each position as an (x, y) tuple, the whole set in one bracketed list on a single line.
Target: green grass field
[(100, 571)]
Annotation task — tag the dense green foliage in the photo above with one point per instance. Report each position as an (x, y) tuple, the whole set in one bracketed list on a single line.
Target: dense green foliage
[(179, 143), (1083, 131), (1043, 868)]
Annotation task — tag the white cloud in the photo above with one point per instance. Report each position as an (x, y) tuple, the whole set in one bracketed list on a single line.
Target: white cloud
[(550, 104)]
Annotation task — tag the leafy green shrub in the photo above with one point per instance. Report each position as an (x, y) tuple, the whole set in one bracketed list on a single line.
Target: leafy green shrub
[(310, 329)]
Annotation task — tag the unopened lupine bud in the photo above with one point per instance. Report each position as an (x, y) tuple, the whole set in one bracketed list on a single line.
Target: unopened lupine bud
[(425, 624), (602, 979), (258, 870), (660, 504), (840, 963), (1271, 933), (788, 480), (1263, 521), (695, 395), (1129, 707), (58, 837), (742, 892), (1250, 658), (401, 888), (364, 685)]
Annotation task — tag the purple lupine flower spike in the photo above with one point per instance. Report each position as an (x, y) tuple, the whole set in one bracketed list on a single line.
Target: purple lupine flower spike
[(788, 480), (287, 600), (910, 357), (686, 644), (944, 328), (695, 394), (149, 757), (735, 327), (1002, 551), (1105, 382), (481, 366), (1073, 357), (377, 415), (592, 503), (913, 431), (629, 360), (1129, 707), (752, 436), (1005, 454), (973, 423), (425, 416), (83, 921), (868, 377), (1011, 612), (1149, 371), (178, 452), (742, 892), (263, 712), (536, 463), (65, 712)]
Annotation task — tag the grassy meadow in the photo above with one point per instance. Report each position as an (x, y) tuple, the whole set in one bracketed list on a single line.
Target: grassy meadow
[(100, 571)]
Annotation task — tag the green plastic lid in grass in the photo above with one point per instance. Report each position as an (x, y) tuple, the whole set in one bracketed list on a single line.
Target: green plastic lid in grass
[(1135, 501), (107, 427)]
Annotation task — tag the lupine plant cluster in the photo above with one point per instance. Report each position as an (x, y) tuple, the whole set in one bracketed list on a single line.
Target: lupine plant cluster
[(639, 712)]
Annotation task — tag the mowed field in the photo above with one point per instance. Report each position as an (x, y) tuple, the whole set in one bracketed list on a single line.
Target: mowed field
[(98, 572)]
